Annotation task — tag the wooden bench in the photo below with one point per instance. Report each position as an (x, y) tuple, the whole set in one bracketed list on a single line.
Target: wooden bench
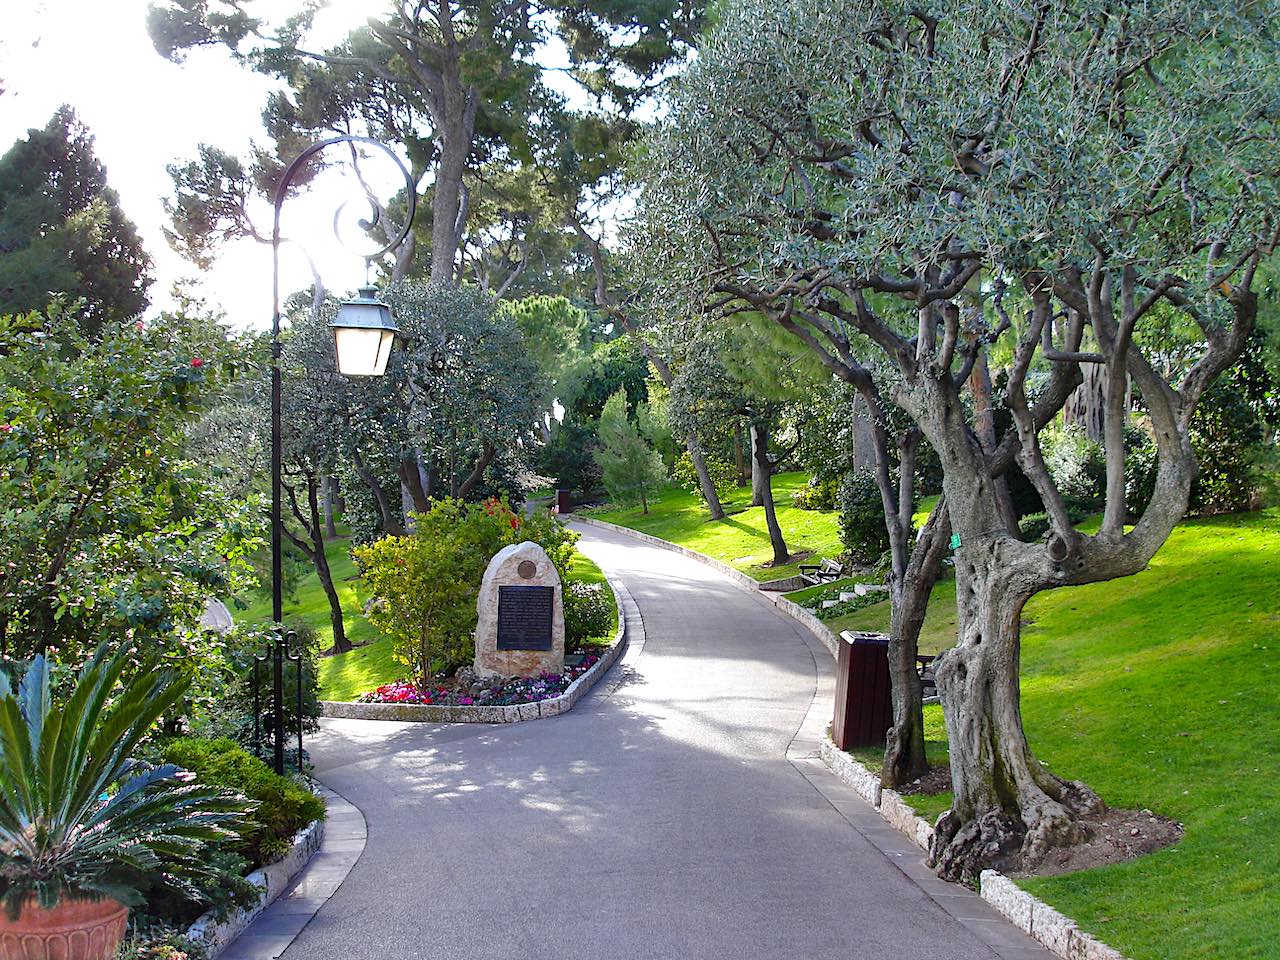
[(828, 571)]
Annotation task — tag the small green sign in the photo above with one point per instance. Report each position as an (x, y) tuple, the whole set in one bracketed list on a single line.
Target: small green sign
[(955, 541)]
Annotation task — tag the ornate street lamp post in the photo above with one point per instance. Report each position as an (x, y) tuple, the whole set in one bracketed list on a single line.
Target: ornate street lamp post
[(363, 336)]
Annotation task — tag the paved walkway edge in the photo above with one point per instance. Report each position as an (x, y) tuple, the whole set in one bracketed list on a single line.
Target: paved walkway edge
[(271, 880), (296, 902), (513, 713), (1058, 933)]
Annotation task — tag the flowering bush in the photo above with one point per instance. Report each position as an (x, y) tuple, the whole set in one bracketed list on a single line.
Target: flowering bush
[(498, 693), (427, 581), (588, 612)]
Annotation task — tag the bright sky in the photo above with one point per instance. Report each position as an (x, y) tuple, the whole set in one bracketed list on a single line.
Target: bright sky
[(146, 113)]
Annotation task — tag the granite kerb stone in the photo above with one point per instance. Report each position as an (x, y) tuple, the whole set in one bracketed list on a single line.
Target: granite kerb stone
[(216, 934), (1058, 933), (513, 713)]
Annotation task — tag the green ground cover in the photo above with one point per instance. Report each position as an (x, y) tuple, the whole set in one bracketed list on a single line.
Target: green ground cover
[(741, 539), (348, 675), (1159, 691), (309, 603)]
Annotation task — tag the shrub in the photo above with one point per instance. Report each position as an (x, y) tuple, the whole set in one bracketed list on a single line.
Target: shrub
[(724, 475), (588, 612), (283, 805), (817, 494), (1077, 464), (862, 529), (225, 708), (427, 581)]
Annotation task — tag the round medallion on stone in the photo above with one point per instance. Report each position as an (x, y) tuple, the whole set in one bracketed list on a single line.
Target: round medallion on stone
[(527, 569)]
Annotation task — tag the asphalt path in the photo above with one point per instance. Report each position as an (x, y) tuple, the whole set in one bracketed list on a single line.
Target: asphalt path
[(661, 818)]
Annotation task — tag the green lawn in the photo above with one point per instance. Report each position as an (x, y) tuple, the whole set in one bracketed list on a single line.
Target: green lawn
[(348, 675), (309, 602), (741, 539), (1159, 690)]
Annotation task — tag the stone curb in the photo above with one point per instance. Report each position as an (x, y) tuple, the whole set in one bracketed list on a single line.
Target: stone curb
[(272, 880), (513, 713), (275, 928), (1059, 934)]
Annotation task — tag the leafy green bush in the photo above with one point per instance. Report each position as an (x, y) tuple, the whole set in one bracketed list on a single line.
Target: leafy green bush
[(283, 806), (588, 612), (862, 529), (107, 525), (724, 475), (817, 494), (1077, 464), (426, 582)]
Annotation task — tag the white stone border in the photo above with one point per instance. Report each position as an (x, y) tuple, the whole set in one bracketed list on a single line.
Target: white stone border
[(272, 880), (1058, 933), (511, 713)]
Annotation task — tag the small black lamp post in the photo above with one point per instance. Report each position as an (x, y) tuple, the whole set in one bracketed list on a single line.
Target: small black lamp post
[(363, 336)]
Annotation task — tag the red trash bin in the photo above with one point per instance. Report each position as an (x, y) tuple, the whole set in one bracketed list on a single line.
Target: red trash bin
[(564, 502), (864, 705)]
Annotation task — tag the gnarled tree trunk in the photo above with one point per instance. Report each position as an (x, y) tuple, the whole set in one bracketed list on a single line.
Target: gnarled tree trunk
[(1009, 810), (760, 477)]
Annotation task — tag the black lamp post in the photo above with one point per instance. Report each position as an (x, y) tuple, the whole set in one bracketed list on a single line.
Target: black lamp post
[(363, 336)]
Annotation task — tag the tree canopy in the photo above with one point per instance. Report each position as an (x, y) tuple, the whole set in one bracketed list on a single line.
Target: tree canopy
[(62, 230)]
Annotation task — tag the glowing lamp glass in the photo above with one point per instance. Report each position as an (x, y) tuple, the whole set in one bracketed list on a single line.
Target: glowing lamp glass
[(363, 334)]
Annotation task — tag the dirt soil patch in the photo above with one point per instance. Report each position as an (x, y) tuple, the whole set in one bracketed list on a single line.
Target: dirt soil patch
[(1112, 836), (937, 780)]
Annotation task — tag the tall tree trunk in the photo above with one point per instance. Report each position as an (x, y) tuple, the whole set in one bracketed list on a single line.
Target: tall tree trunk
[(763, 467), (388, 516), (904, 755), (705, 483), (330, 507), (864, 441), (692, 444), (760, 476), (739, 455), (309, 519), (411, 481)]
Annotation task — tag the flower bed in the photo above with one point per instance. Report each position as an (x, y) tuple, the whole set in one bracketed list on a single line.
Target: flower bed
[(497, 693)]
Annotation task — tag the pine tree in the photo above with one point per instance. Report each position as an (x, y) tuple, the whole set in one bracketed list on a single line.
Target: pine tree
[(631, 469), (62, 229)]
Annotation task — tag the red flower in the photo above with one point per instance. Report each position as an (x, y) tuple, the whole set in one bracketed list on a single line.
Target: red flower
[(138, 326), (6, 427), (197, 362)]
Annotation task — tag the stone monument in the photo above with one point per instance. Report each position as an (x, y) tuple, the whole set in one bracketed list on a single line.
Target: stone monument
[(520, 625)]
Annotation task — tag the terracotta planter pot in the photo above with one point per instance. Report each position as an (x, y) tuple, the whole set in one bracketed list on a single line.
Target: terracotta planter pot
[(73, 930)]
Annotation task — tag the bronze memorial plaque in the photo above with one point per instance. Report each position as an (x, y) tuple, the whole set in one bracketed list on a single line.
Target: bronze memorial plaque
[(524, 617)]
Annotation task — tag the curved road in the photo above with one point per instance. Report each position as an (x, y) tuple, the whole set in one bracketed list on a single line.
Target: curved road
[(677, 811)]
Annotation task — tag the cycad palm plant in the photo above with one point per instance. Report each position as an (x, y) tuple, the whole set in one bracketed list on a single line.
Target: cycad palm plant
[(79, 817)]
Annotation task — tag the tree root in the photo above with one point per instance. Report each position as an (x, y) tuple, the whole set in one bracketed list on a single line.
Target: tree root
[(1013, 842)]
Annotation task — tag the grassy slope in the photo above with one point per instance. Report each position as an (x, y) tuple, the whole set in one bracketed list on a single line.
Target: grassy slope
[(346, 676), (741, 539), (1159, 691), (309, 602)]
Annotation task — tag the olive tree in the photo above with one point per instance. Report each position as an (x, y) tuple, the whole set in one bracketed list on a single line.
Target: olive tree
[(914, 191)]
